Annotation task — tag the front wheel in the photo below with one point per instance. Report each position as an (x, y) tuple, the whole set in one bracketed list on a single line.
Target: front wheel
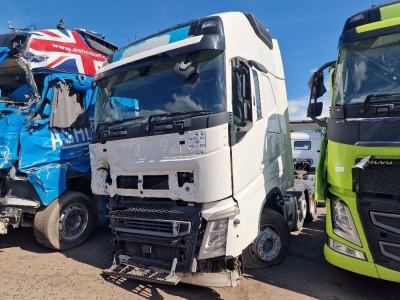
[(66, 222), (272, 243)]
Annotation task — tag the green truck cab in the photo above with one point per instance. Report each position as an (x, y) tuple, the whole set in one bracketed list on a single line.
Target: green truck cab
[(359, 168)]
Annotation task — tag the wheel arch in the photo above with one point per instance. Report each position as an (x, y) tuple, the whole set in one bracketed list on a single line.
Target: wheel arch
[(270, 201), (80, 184)]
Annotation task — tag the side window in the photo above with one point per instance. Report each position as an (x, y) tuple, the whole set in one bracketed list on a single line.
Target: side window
[(302, 145), (67, 108), (257, 94), (241, 93)]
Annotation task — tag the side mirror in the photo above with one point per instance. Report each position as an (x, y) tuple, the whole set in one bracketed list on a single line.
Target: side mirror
[(316, 85), (314, 109), (317, 89)]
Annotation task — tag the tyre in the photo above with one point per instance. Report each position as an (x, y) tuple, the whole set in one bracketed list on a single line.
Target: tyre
[(311, 209), (301, 213), (272, 243), (66, 222)]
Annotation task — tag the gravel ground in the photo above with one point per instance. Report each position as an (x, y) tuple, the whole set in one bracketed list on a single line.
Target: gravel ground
[(29, 271)]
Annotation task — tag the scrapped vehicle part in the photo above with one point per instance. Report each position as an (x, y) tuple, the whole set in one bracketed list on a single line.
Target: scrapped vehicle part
[(46, 110), (190, 142)]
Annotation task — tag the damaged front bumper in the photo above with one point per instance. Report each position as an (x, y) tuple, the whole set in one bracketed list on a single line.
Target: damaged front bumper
[(123, 268), (165, 241), (11, 210)]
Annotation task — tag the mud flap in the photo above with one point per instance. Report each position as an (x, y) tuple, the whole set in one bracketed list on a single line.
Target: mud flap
[(122, 268)]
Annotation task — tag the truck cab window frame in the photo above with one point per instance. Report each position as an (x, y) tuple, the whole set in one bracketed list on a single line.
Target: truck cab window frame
[(257, 96), (242, 105)]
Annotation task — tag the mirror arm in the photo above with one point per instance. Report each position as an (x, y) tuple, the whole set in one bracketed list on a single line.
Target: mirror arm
[(324, 66), (321, 122)]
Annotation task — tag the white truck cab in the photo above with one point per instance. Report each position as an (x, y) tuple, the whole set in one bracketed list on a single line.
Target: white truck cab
[(306, 146), (191, 145)]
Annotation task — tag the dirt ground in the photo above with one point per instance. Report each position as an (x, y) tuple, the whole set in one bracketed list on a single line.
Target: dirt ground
[(29, 271)]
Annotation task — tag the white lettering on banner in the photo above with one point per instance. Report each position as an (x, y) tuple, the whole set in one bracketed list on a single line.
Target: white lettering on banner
[(82, 138), (79, 132), (78, 50), (55, 138)]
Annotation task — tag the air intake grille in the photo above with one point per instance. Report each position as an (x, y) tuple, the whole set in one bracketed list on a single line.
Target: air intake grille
[(376, 182), (156, 232), (379, 176), (380, 218), (157, 227)]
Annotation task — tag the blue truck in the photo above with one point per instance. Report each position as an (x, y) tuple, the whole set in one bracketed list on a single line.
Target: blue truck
[(45, 129)]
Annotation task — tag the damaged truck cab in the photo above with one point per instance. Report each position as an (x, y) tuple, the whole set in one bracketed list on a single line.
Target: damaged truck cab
[(191, 144), (45, 116)]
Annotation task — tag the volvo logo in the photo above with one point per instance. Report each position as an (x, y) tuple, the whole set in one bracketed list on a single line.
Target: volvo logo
[(380, 162)]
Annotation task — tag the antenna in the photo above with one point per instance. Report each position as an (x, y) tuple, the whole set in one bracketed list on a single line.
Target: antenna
[(33, 26), (372, 4)]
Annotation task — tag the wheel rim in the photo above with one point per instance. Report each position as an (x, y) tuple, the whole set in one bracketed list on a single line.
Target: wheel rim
[(302, 209), (313, 207), (73, 221), (267, 245)]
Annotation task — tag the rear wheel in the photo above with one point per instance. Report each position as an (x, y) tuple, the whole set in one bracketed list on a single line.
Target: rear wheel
[(66, 222), (271, 245), (301, 213), (311, 209)]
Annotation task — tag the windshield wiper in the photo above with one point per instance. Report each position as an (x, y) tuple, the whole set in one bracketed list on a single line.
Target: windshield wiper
[(115, 122), (365, 104), (174, 114)]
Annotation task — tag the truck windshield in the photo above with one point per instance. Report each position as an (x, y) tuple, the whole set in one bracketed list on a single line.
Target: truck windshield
[(133, 96), (368, 67), (14, 69)]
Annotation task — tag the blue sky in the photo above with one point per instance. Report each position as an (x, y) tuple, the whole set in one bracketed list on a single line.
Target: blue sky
[(307, 30)]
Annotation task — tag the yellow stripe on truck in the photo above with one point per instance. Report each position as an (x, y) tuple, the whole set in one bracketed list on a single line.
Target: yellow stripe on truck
[(379, 25)]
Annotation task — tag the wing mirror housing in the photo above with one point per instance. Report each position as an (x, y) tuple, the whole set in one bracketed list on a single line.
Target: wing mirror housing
[(317, 89)]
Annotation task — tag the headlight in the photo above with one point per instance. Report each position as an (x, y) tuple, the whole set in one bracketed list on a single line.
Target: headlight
[(214, 241), (339, 247), (342, 221)]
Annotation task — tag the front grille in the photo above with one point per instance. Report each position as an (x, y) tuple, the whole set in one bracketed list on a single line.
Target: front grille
[(388, 221), (380, 218), (379, 176), (390, 250), (156, 231), (376, 182), (157, 227)]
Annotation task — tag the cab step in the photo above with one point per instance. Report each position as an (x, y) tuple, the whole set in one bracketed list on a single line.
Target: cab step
[(125, 270)]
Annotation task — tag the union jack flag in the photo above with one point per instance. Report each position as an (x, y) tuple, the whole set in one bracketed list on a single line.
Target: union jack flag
[(63, 50)]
